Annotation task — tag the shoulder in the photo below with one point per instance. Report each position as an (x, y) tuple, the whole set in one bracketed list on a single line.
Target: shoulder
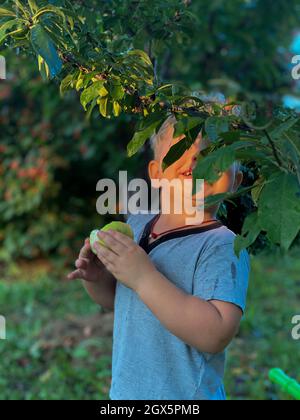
[(138, 221), (221, 240), (217, 237)]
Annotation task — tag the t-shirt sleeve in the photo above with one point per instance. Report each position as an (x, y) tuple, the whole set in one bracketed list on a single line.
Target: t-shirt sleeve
[(137, 223), (221, 275)]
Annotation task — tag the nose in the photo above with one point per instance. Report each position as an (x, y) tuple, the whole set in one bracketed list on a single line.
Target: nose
[(195, 150), (191, 155), (195, 153), (194, 160)]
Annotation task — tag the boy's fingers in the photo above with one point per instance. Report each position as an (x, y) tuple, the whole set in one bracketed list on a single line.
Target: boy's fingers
[(123, 239), (86, 251), (76, 275), (115, 245), (108, 254), (82, 263)]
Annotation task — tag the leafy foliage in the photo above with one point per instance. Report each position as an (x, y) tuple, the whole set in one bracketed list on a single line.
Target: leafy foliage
[(99, 51)]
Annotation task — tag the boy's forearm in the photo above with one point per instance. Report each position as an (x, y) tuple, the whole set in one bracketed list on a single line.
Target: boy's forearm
[(102, 292), (176, 311)]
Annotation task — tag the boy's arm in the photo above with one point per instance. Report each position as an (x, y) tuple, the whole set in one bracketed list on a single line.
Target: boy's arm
[(207, 326), (102, 292), (204, 320)]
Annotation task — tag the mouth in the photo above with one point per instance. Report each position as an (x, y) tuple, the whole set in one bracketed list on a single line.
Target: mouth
[(187, 173)]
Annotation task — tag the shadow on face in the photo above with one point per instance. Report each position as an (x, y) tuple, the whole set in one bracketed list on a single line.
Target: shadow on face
[(229, 181)]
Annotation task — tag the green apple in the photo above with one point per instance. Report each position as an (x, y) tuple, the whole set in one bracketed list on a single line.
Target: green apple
[(121, 227)]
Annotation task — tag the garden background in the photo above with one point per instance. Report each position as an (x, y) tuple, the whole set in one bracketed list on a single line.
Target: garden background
[(51, 156)]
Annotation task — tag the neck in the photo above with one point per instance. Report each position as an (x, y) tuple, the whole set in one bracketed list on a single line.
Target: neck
[(172, 221)]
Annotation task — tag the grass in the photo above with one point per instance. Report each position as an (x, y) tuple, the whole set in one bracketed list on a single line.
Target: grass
[(55, 351), (48, 354), (265, 339)]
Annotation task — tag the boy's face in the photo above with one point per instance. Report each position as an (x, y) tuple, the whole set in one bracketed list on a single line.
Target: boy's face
[(228, 182)]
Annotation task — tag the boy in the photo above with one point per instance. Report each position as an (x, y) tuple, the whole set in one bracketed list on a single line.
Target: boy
[(178, 294)]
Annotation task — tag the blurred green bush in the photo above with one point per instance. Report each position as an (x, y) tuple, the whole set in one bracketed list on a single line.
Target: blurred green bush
[(51, 158)]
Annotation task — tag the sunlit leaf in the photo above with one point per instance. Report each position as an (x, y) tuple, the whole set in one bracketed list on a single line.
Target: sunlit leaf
[(140, 138), (7, 12)]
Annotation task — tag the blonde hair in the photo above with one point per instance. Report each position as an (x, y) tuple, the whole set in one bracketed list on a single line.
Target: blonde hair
[(157, 139)]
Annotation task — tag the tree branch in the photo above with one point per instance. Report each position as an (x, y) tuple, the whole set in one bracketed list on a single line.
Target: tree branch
[(278, 160)]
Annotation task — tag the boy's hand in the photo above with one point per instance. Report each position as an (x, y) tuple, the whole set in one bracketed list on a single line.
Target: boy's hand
[(89, 266), (126, 260)]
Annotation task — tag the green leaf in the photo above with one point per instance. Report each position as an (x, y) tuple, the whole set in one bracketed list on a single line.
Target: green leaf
[(185, 124), (94, 91), (116, 108), (33, 6), (7, 26), (79, 82), (152, 118), (256, 191), (102, 90), (66, 84), (189, 126), (90, 108), (43, 68), (105, 106), (209, 168), (7, 12), (284, 127), (293, 151), (214, 126), (23, 9), (230, 136), (175, 152), (140, 138), (88, 95), (253, 154), (71, 22), (116, 91), (142, 55), (279, 209), (217, 161), (138, 64), (43, 46), (250, 231), (49, 9)]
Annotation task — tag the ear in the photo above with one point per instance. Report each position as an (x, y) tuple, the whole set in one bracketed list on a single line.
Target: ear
[(153, 170), (238, 180)]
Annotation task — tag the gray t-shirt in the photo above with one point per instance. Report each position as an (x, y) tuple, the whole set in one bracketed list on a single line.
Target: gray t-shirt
[(148, 361)]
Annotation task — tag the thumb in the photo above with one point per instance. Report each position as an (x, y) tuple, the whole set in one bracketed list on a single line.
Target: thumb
[(86, 251)]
